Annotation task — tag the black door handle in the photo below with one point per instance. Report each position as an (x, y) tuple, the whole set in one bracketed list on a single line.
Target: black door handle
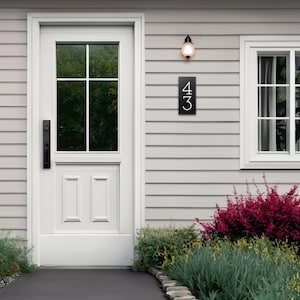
[(46, 144)]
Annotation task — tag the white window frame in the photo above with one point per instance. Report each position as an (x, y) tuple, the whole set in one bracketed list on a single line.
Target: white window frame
[(250, 157)]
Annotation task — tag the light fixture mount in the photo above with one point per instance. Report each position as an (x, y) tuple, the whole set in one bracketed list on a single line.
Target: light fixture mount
[(188, 48)]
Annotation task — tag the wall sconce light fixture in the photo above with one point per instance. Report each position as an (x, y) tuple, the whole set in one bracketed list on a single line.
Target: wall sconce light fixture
[(188, 48)]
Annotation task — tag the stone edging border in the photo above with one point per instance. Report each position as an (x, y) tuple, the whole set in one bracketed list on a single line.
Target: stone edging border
[(4, 281), (173, 289)]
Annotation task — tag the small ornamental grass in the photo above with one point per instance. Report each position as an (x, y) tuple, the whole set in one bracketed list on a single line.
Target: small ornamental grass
[(14, 256), (256, 268)]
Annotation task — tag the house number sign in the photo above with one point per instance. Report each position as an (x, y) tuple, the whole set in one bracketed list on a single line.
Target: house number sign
[(187, 95)]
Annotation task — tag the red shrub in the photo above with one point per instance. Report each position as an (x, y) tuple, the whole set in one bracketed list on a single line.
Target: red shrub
[(274, 215)]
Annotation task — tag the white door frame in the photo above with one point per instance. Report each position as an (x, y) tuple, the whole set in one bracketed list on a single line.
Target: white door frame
[(34, 23)]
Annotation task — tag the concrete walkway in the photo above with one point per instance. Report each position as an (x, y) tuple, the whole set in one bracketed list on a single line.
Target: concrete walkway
[(82, 284)]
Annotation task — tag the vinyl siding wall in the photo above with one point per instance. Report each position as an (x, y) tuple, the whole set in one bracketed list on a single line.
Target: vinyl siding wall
[(13, 122), (192, 162)]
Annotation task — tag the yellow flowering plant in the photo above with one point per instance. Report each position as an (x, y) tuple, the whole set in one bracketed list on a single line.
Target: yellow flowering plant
[(255, 268)]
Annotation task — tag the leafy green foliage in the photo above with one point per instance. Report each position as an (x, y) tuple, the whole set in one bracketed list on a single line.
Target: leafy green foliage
[(104, 60), (14, 256), (160, 247), (245, 269), (71, 117), (104, 116), (70, 60)]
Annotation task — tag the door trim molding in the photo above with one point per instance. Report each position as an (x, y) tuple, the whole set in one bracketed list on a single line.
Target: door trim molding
[(34, 23)]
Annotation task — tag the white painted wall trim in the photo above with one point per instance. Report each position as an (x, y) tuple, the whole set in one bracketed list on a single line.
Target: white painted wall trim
[(34, 23)]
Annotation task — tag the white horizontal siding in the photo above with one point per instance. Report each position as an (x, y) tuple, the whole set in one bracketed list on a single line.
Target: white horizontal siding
[(12, 112), (191, 140), (237, 16), (14, 162), (192, 164), (203, 103), (186, 201), (234, 28), (13, 211), (13, 64), (202, 91), (179, 214), (209, 189), (9, 101), (13, 124), (192, 152), (13, 75), (12, 223), (158, 4), (202, 115), (205, 79), (7, 137), (192, 128), (13, 199), (193, 161), (13, 174), (197, 66), (12, 88), (202, 54), (15, 50), (224, 177)]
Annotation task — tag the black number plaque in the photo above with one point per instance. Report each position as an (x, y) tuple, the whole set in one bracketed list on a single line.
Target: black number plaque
[(187, 96)]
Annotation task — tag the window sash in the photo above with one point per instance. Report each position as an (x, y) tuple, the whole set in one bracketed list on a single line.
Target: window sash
[(277, 130), (250, 156)]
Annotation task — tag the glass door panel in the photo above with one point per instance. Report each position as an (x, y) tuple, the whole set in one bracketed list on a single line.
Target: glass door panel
[(103, 116), (71, 116), (87, 96)]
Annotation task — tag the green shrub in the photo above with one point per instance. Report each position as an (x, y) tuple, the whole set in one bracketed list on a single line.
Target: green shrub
[(14, 255), (160, 247), (253, 269)]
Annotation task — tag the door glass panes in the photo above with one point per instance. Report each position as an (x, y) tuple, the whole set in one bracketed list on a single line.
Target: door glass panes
[(87, 96), (71, 61), (103, 61), (71, 116), (103, 116), (273, 102)]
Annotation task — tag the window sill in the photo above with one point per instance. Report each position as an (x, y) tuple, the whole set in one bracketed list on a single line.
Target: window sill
[(272, 161)]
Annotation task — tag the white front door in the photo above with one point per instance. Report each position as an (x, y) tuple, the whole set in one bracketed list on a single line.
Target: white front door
[(86, 209)]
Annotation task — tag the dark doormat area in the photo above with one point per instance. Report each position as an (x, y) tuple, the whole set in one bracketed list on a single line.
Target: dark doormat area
[(84, 284)]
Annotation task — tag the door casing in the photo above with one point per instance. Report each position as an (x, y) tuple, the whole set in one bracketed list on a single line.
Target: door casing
[(35, 21)]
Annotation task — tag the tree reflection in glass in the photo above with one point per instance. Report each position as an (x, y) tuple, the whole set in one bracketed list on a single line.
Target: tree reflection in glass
[(87, 77)]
